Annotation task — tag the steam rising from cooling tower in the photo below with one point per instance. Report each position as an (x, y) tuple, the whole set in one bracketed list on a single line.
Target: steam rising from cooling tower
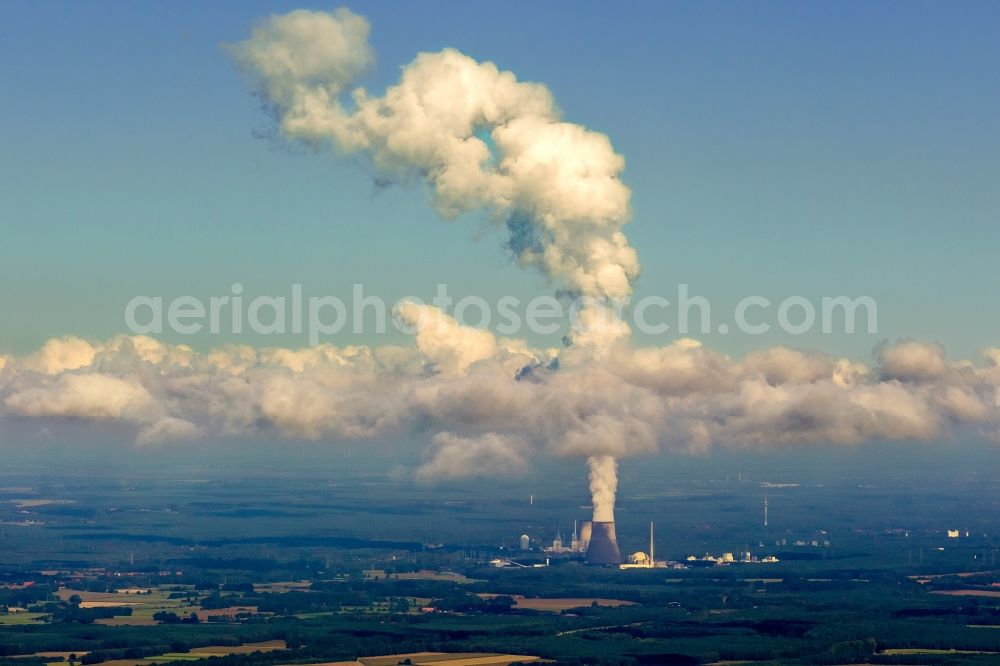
[(603, 548), (603, 487), (483, 141)]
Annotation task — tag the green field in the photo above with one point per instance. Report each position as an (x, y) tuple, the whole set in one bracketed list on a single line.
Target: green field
[(21, 618)]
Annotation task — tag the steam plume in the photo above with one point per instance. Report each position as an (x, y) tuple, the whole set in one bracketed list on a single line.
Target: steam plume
[(603, 486), (479, 137)]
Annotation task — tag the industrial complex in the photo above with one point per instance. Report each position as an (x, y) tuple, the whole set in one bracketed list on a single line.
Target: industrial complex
[(595, 542)]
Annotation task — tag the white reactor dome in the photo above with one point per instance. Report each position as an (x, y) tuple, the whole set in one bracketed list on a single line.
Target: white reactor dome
[(638, 558)]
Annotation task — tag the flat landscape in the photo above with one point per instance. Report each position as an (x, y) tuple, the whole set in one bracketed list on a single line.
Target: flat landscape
[(141, 566)]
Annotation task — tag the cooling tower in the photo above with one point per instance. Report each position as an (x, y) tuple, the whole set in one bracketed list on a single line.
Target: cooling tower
[(603, 547), (585, 532)]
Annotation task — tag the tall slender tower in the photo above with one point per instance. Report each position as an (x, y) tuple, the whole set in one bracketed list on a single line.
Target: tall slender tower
[(651, 560), (765, 512)]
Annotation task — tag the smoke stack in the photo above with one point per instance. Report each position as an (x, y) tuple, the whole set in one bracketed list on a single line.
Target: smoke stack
[(603, 548)]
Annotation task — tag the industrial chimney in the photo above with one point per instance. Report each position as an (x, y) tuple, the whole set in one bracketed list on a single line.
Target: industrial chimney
[(603, 548)]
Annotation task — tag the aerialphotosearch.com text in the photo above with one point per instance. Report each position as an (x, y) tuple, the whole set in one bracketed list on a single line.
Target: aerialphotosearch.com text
[(318, 317)]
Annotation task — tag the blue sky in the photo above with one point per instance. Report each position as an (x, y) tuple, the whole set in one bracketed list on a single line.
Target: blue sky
[(772, 148)]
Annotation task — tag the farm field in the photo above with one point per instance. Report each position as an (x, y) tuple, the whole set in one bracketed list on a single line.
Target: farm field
[(970, 593), (930, 651), (282, 586), (448, 576), (193, 655), (21, 618), (144, 603), (448, 659)]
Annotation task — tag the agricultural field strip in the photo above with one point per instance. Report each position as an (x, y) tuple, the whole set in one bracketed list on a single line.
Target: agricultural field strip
[(556, 604), (570, 632)]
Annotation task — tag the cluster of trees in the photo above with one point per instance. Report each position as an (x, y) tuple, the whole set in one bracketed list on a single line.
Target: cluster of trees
[(166, 617), (25, 596), (75, 614), (460, 601)]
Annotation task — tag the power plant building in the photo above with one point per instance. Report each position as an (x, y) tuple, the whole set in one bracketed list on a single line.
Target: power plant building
[(640, 560)]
